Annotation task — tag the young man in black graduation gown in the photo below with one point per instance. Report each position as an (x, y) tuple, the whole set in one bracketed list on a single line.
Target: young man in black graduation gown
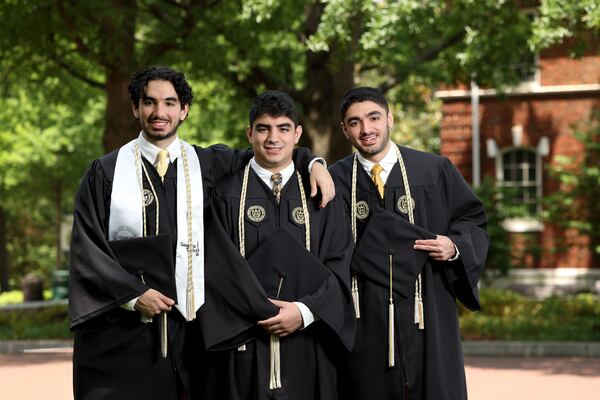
[(440, 244), (130, 258), (315, 323)]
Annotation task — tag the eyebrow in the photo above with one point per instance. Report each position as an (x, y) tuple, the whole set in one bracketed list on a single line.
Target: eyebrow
[(369, 114), (146, 97), (266, 126)]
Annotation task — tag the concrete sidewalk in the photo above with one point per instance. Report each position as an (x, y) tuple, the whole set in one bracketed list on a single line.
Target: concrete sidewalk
[(46, 374)]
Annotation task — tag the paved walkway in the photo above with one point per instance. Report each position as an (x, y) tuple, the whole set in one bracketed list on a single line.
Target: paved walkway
[(47, 375)]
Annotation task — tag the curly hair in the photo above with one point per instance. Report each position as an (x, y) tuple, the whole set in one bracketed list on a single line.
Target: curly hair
[(274, 104), (140, 79)]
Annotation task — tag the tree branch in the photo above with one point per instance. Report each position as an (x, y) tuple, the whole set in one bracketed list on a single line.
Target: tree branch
[(426, 55)]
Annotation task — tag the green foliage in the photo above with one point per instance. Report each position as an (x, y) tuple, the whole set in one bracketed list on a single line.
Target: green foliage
[(16, 297), (560, 20), (49, 322), (506, 315), (575, 205)]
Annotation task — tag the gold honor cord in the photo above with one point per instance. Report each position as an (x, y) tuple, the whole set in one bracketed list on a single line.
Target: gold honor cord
[(163, 315), (419, 317), (355, 295), (391, 320), (419, 312), (190, 302), (274, 341), (190, 283)]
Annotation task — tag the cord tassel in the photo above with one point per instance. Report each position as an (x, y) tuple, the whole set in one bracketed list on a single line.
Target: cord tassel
[(275, 374), (163, 334), (419, 312), (355, 296), (391, 334)]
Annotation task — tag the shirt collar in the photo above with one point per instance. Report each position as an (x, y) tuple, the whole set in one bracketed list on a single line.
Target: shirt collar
[(150, 151), (265, 174), (387, 162)]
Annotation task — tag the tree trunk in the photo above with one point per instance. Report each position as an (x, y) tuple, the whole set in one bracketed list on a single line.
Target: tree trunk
[(3, 253), (120, 62), (327, 83), (121, 126)]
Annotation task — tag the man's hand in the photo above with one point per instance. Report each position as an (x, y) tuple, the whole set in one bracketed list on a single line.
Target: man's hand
[(152, 302), (287, 321), (320, 177), (440, 249)]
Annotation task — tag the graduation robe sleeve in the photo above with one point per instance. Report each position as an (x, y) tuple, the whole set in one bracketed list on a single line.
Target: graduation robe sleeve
[(97, 282), (220, 160), (235, 299), (467, 230)]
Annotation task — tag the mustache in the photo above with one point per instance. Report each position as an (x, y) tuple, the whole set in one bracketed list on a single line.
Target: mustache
[(159, 119)]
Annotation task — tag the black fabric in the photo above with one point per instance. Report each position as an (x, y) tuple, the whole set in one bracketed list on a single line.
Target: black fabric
[(282, 258), (387, 233), (150, 259), (307, 355), (235, 300), (429, 362)]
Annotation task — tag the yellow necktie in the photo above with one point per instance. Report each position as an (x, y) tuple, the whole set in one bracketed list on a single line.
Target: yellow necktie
[(375, 171), (162, 164)]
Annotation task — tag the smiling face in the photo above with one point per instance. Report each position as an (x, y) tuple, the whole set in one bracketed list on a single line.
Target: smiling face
[(273, 140), (367, 126), (160, 112)]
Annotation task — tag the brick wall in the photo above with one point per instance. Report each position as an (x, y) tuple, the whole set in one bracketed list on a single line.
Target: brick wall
[(554, 116)]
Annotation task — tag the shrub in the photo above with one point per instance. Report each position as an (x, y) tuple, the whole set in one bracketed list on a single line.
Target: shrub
[(506, 315), (48, 322)]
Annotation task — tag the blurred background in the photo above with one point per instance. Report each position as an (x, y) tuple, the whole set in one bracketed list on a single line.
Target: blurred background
[(508, 90)]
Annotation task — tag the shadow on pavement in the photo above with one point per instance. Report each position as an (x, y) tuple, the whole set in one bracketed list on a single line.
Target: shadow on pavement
[(579, 366)]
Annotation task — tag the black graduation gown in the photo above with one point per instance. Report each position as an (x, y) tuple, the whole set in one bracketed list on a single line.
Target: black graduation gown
[(115, 355), (307, 356), (430, 364)]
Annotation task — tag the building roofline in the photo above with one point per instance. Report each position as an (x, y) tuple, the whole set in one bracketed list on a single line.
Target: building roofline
[(523, 90)]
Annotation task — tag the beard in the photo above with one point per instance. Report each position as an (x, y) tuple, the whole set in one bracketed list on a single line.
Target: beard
[(158, 136), (371, 151)]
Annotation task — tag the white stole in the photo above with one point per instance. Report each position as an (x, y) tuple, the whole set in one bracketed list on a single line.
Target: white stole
[(126, 220)]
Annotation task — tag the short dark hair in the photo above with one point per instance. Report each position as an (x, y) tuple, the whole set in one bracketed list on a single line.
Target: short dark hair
[(360, 94), (140, 79), (274, 104)]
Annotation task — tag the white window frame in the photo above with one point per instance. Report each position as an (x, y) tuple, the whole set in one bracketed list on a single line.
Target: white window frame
[(531, 223)]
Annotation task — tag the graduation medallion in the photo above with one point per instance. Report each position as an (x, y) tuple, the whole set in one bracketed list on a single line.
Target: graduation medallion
[(298, 215), (402, 204), (362, 209), (256, 213), (124, 232), (148, 197)]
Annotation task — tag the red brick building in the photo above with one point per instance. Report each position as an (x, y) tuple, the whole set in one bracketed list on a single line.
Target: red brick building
[(519, 133)]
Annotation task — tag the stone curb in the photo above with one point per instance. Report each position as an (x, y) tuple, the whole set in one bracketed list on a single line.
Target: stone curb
[(530, 349), (26, 346), (470, 348)]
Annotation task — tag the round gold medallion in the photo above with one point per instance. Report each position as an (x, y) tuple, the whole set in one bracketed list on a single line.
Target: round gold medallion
[(298, 215), (256, 213), (148, 197), (362, 209), (403, 204)]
